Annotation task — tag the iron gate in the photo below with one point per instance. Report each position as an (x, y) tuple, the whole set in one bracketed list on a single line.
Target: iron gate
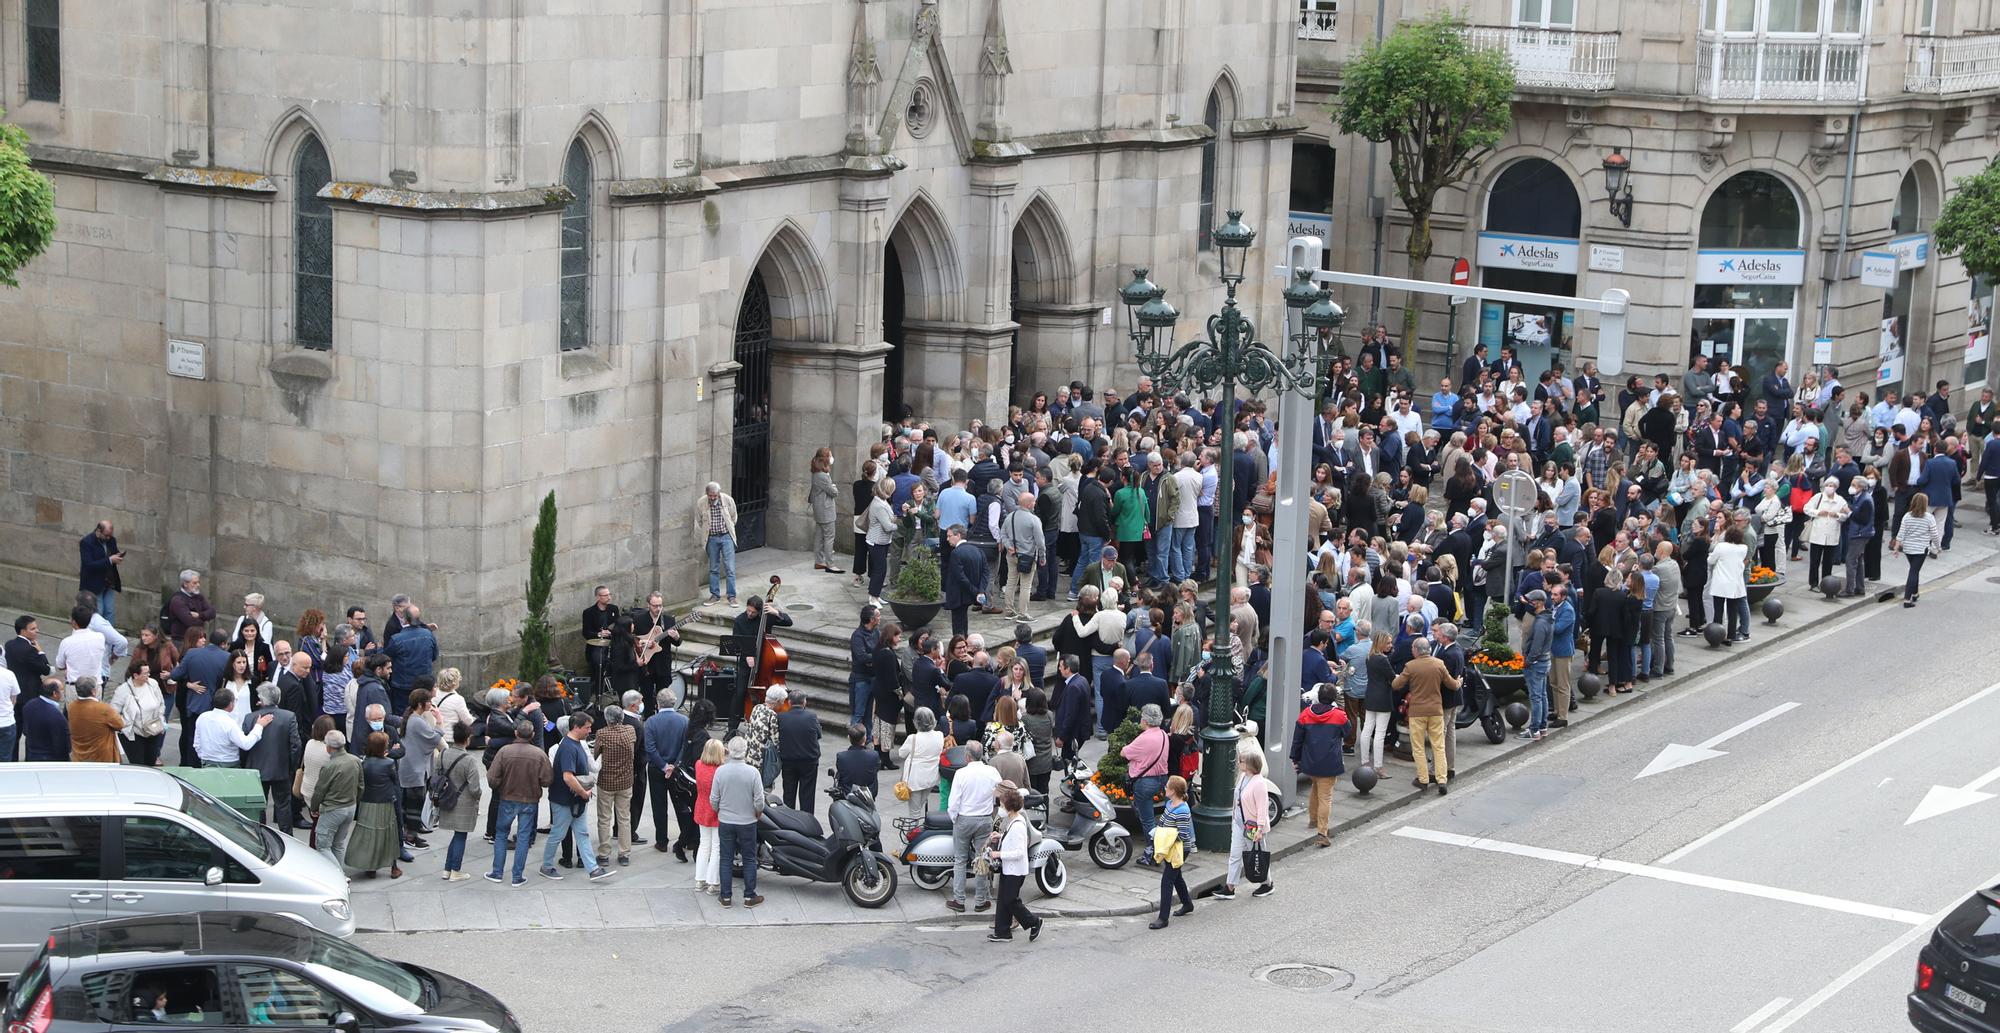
[(750, 452)]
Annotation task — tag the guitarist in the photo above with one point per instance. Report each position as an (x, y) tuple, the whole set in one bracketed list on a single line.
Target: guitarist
[(658, 635), (759, 614)]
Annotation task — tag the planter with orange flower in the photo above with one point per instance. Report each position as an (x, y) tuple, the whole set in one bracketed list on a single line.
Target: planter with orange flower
[(1763, 581)]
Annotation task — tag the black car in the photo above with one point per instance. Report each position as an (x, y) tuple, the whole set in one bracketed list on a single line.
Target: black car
[(201, 970), (1958, 972)]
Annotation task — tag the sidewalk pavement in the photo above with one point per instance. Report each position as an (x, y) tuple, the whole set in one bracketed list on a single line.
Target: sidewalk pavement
[(656, 891)]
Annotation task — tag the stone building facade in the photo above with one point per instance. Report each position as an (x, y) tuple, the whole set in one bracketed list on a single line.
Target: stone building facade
[(341, 290), (1816, 139)]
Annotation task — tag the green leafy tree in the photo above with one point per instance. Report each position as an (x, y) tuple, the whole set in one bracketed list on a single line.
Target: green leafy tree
[(1441, 105), (27, 205), (535, 631), (1969, 226)]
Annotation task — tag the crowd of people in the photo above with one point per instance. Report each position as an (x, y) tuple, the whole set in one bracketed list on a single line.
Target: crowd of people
[(1658, 498)]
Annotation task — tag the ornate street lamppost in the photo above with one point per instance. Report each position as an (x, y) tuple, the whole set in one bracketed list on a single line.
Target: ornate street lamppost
[(1228, 356)]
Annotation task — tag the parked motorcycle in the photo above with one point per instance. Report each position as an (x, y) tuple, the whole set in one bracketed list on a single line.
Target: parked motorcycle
[(1093, 824), (928, 849), (790, 842)]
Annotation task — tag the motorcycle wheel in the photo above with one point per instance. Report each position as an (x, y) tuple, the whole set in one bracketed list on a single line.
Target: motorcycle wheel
[(869, 882), (1496, 730), (928, 878), (1052, 877), (1111, 853), (1277, 810)]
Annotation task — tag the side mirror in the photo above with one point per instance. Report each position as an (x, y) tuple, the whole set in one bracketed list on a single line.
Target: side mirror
[(212, 877), (345, 1022)]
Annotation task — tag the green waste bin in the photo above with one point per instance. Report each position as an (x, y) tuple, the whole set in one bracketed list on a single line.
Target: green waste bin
[(240, 788)]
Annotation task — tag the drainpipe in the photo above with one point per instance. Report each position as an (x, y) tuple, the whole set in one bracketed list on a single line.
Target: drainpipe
[(1378, 207), (1832, 276)]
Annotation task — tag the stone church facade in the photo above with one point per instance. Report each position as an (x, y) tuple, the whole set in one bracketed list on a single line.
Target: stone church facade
[(341, 290)]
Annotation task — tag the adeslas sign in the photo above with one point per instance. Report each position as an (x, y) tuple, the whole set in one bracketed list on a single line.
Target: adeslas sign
[(1521, 251), (1780, 267)]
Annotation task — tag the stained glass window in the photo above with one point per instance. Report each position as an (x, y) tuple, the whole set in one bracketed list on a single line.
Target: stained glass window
[(312, 247), (44, 22), (576, 249)]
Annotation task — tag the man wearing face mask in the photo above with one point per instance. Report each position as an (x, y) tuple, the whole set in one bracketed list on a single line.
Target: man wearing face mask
[(1859, 529)]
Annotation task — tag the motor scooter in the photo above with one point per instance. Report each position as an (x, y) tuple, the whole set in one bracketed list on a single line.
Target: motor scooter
[(928, 849), (1480, 708), (790, 842), (1093, 824)]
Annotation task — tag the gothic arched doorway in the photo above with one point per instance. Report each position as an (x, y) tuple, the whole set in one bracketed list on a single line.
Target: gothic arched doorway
[(750, 451), (892, 333)]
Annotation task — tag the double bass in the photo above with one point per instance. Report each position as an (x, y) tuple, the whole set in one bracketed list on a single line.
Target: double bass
[(770, 664)]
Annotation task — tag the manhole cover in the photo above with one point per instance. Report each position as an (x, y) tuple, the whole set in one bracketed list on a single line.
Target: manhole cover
[(1994, 580), (1301, 976), (800, 607)]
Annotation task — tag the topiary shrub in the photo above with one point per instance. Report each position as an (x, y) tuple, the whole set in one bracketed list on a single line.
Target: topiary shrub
[(918, 581)]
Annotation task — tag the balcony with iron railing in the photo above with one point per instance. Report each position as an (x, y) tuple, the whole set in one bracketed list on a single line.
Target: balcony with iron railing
[(1553, 59), (1756, 66), (1945, 65), (1318, 18)]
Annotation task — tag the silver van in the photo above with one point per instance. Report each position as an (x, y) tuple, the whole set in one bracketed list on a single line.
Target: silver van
[(86, 842)]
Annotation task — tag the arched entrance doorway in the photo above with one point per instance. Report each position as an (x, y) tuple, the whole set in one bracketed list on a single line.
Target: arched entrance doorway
[(1902, 348), (893, 305), (1052, 335), (750, 444), (1533, 219), (1747, 274)]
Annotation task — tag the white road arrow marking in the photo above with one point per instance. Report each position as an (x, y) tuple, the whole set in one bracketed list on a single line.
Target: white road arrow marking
[(1945, 799), (1678, 756)]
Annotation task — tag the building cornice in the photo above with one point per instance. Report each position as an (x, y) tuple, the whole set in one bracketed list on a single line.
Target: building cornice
[(448, 203)]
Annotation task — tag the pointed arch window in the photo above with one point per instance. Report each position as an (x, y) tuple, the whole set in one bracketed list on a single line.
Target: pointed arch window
[(312, 247), (576, 228), (1212, 118), (44, 46)]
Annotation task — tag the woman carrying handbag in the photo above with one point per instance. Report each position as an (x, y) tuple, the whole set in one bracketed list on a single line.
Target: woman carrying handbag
[(1252, 818)]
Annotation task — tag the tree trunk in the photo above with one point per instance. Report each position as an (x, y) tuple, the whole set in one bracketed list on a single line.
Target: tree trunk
[(1419, 247)]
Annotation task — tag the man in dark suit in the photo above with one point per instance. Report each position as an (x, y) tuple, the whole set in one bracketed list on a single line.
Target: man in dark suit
[(1142, 686), (98, 558), (1036, 657), (1243, 473), (1315, 669), (1712, 446), (1588, 381), (798, 753), (1111, 691), (1505, 364), (295, 691), (1326, 437), (1475, 364), (1072, 708), (964, 578), (1777, 387), (976, 684), (202, 672), (276, 755), (25, 657), (1365, 456)]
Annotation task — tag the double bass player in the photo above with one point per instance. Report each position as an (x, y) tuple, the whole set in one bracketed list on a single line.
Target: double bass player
[(759, 614)]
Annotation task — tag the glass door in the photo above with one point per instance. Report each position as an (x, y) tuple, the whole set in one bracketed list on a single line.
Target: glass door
[(1754, 342)]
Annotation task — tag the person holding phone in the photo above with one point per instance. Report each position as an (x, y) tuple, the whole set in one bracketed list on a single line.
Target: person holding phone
[(98, 559)]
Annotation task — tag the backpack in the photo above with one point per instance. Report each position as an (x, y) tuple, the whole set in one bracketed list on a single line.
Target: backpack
[(444, 795)]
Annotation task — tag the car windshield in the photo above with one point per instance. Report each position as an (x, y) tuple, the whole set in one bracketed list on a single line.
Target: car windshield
[(224, 820), (363, 975)]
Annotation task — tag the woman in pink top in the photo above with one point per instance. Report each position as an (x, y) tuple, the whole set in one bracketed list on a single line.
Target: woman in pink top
[(707, 858), (1146, 766), (1250, 820)]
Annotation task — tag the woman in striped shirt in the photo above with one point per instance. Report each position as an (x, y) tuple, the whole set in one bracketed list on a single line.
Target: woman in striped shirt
[(1917, 539), (1178, 818)]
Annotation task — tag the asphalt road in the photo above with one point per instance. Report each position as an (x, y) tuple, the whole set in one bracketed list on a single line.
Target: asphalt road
[(1779, 884)]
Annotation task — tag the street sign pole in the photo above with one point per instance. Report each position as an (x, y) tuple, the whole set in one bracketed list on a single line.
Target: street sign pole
[(1461, 274), (1515, 491)]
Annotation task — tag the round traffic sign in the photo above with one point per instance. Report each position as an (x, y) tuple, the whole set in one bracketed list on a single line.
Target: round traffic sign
[(1515, 492)]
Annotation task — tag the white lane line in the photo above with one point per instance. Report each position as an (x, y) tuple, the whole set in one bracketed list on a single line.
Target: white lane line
[(1760, 1015), (1759, 811), (1703, 681), (1867, 964), (1647, 871), (1716, 740)]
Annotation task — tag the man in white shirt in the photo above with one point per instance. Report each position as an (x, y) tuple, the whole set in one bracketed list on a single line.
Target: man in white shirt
[(84, 653), (219, 741), (1407, 422), (971, 811), (10, 690), (117, 646)]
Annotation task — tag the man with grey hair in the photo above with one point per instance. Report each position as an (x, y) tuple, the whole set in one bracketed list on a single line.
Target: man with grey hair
[(1446, 648), (93, 725), (715, 528), (335, 795), (737, 794), (218, 741), (1008, 761), (188, 608), (971, 813), (276, 755), (1146, 762), (618, 751), (663, 736)]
